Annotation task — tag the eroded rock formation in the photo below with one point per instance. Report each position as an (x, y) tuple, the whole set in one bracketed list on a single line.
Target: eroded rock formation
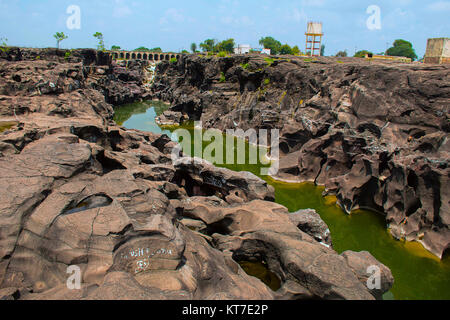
[(77, 190), (374, 133)]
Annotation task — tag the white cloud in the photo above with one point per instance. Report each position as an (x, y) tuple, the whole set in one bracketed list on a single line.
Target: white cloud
[(439, 6), (313, 3), (298, 15), (121, 10), (240, 21), (173, 15)]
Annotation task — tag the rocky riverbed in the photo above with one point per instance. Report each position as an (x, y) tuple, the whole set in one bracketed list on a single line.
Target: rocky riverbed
[(78, 190), (374, 133)]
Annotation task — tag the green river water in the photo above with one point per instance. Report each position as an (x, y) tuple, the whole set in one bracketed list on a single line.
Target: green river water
[(418, 274)]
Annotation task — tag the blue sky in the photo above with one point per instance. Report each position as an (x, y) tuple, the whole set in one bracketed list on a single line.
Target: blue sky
[(174, 24)]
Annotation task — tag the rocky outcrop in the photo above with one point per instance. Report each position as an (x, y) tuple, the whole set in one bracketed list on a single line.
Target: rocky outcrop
[(123, 83), (170, 118), (309, 221), (71, 70), (374, 133), (79, 191), (360, 262), (199, 177)]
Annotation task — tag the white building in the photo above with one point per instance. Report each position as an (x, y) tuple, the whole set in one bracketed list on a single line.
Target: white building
[(242, 49), (245, 48)]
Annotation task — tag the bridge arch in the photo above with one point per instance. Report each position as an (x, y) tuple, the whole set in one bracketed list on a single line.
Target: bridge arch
[(146, 56)]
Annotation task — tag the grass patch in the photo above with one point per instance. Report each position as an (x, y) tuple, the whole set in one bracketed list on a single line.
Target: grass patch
[(222, 77), (245, 66), (266, 81)]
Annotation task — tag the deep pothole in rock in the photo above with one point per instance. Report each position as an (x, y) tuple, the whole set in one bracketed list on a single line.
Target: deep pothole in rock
[(260, 270), (91, 202), (6, 125), (109, 164), (194, 188)]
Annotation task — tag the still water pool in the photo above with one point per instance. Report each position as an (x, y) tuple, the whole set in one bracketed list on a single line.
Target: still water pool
[(418, 274)]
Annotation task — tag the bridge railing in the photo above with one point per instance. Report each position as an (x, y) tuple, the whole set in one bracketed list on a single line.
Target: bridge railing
[(144, 55)]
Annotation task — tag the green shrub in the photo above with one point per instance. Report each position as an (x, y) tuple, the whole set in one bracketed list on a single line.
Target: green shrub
[(222, 77), (245, 66), (266, 81), (67, 55), (173, 60), (269, 61), (222, 54)]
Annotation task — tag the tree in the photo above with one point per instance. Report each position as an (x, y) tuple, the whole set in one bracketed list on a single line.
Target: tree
[(101, 43), (342, 54), (142, 49), (362, 54), (184, 52), (296, 51), (208, 45), (226, 46), (322, 50), (59, 36), (115, 48), (157, 49), (400, 42), (402, 48), (285, 49), (271, 43), (193, 47)]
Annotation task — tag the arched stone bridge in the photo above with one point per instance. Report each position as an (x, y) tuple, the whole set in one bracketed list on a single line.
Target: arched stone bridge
[(145, 55)]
